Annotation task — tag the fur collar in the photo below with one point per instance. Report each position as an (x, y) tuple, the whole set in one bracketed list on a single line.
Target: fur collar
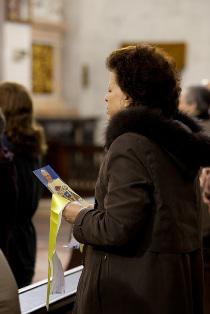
[(181, 136)]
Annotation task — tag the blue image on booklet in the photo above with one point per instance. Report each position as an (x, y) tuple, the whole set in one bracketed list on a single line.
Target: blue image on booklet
[(55, 185), (46, 174)]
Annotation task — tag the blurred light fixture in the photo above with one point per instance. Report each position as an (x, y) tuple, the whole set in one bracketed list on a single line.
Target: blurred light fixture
[(20, 54)]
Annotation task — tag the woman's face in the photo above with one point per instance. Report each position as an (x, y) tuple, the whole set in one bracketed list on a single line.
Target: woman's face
[(190, 109), (115, 98)]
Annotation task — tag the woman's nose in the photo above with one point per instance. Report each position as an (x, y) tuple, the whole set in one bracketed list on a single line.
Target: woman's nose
[(106, 99)]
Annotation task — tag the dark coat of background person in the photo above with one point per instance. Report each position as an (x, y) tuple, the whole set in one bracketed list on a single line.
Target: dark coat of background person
[(205, 123), (25, 139), (9, 302), (22, 246), (8, 192), (8, 198), (206, 214), (147, 259)]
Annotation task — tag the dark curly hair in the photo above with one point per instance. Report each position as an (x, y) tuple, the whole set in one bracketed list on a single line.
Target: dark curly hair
[(148, 76)]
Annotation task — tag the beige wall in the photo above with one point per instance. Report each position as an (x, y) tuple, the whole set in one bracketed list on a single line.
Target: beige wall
[(94, 28), (16, 55)]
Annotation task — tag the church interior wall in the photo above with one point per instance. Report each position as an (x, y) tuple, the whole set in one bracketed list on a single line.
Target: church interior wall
[(92, 29), (95, 28)]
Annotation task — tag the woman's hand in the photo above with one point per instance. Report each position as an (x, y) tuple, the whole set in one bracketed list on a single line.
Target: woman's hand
[(71, 210)]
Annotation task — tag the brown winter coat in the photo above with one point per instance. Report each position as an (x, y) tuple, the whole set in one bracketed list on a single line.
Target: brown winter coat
[(143, 239)]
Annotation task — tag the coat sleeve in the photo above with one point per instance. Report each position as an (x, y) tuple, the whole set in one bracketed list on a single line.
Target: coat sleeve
[(127, 203)]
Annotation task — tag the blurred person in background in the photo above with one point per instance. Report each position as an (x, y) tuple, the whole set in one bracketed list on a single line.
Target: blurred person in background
[(206, 83), (25, 139), (195, 101), (9, 302), (143, 236)]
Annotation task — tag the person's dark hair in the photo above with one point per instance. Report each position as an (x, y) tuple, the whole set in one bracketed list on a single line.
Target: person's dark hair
[(21, 129), (200, 96), (148, 76)]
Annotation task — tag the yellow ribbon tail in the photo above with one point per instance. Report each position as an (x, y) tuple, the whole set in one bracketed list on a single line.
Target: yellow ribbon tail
[(54, 265)]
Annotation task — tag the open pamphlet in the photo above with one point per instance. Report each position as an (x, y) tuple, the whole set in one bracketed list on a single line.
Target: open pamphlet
[(62, 194)]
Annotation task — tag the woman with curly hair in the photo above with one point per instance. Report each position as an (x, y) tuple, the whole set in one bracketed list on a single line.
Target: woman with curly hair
[(25, 139), (143, 236)]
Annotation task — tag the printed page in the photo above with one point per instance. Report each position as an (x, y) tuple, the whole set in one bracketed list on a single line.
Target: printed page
[(56, 185)]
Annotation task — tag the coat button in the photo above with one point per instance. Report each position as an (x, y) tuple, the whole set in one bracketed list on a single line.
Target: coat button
[(105, 257)]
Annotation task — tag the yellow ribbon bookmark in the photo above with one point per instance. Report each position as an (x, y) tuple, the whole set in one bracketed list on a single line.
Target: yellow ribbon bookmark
[(54, 264)]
